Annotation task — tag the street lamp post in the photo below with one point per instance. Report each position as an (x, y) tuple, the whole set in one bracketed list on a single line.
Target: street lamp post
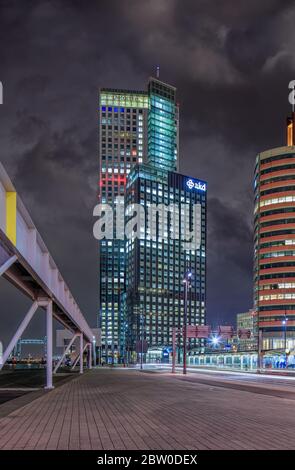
[(173, 349), (126, 351), (186, 281), (142, 334), (284, 322), (184, 326), (94, 350)]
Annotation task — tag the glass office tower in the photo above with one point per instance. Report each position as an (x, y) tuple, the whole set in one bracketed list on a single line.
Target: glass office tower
[(141, 280), (133, 125), (122, 143), (157, 259)]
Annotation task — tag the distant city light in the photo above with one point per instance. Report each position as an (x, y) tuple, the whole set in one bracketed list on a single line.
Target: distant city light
[(215, 340)]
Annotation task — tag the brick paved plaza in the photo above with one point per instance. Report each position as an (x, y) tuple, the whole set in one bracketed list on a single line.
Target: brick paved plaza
[(127, 409)]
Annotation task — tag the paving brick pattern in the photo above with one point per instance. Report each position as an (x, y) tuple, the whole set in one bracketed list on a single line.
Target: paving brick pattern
[(124, 409)]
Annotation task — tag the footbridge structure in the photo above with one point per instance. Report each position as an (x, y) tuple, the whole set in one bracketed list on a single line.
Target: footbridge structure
[(25, 261)]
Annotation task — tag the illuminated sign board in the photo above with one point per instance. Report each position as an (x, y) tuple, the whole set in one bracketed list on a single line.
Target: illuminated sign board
[(196, 184)]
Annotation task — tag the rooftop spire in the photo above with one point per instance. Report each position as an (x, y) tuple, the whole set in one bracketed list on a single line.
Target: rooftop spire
[(158, 71)]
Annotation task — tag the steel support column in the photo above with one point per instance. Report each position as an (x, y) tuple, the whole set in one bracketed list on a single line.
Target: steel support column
[(65, 353), (94, 353), (81, 353), (173, 349), (7, 264), (49, 384), (78, 357), (75, 362), (90, 356), (19, 332)]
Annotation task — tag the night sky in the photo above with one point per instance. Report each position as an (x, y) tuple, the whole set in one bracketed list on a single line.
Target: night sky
[(231, 62)]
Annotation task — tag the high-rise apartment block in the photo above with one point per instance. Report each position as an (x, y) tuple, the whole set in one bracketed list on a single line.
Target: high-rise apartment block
[(274, 245)]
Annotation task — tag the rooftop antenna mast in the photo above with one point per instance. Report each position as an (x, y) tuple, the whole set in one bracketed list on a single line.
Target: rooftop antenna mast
[(158, 71)]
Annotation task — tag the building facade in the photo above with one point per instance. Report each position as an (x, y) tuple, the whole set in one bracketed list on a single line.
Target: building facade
[(274, 246), (158, 258)]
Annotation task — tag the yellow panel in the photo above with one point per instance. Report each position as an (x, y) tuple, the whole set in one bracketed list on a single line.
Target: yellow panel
[(290, 134), (11, 216)]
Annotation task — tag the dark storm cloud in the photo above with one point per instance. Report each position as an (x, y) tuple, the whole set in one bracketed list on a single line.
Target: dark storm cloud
[(230, 256), (231, 62)]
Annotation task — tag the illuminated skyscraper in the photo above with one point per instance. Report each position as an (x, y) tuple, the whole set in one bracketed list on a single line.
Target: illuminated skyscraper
[(138, 149), (122, 143), (132, 126), (274, 250)]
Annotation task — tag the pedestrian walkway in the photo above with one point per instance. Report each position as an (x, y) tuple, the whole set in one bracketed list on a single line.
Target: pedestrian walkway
[(126, 409)]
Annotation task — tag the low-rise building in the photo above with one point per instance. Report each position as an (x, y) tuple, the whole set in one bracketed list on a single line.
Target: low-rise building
[(247, 332)]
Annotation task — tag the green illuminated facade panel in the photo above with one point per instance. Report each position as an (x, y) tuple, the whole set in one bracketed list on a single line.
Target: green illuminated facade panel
[(123, 98), (162, 126)]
